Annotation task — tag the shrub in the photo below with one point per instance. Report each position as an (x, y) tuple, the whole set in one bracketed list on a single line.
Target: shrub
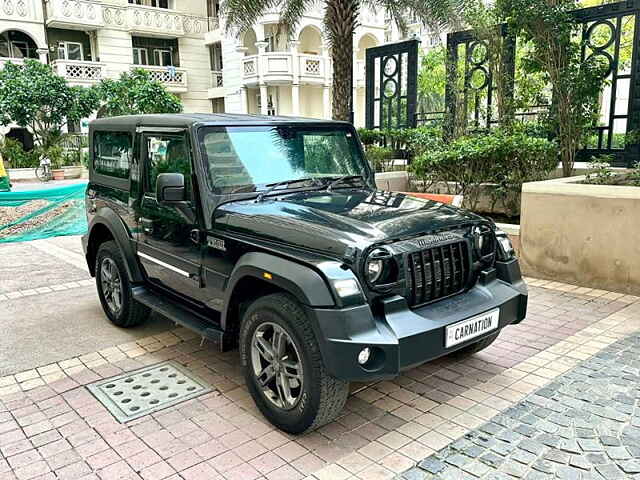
[(599, 170), (379, 157), (634, 176), (14, 153), (504, 158), (370, 137)]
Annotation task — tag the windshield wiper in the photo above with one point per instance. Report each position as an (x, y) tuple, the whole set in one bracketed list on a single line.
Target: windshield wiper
[(273, 186), (342, 179)]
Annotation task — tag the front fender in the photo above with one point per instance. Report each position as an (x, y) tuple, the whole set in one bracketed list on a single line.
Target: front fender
[(107, 218), (305, 284)]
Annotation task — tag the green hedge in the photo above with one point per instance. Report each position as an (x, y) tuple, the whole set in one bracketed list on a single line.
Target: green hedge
[(504, 158)]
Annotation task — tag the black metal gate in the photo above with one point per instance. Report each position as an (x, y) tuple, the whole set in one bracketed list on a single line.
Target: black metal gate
[(392, 85), (470, 89), (610, 32)]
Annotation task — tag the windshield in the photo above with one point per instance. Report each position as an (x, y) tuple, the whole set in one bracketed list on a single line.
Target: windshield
[(246, 159)]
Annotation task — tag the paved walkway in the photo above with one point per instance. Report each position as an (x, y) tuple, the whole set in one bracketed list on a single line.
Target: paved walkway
[(585, 424), (52, 427)]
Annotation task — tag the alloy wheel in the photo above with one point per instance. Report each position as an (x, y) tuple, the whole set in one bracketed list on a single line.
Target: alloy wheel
[(276, 365), (111, 285)]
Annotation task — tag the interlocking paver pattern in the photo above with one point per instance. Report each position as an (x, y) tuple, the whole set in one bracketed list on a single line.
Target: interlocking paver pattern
[(51, 425), (583, 425)]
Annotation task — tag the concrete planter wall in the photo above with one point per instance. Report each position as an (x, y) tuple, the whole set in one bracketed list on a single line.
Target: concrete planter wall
[(29, 174), (582, 234)]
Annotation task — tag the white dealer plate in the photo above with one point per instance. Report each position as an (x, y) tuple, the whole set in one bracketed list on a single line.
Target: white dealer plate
[(474, 327)]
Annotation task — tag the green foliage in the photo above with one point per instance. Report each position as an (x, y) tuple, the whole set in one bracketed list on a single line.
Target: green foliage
[(35, 97), (11, 150), (634, 176), (432, 80), (503, 157), (555, 54), (599, 172), (379, 157), (370, 137), (135, 93), (413, 140)]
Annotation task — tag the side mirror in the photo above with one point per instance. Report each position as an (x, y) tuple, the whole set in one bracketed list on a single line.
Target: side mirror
[(170, 188)]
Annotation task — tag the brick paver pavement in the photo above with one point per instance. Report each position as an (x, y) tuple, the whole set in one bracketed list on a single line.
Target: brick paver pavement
[(52, 427), (585, 424)]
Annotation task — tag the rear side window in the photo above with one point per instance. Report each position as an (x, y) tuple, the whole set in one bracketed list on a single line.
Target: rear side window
[(112, 153)]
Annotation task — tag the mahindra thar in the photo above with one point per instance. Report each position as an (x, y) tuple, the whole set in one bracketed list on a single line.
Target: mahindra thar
[(269, 234)]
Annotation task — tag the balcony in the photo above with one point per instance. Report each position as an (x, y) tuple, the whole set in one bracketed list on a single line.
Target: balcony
[(275, 68), (155, 21), (81, 73), (173, 78), (216, 90), (75, 15), (213, 33), (23, 11)]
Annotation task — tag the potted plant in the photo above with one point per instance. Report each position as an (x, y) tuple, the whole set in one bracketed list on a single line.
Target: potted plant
[(54, 154)]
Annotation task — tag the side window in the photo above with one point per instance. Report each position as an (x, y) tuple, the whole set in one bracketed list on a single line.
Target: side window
[(112, 153), (167, 154)]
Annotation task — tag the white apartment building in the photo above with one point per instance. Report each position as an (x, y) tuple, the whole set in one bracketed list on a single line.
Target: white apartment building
[(184, 45)]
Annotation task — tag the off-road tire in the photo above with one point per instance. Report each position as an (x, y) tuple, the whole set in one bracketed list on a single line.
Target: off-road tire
[(131, 313), (477, 347), (323, 396)]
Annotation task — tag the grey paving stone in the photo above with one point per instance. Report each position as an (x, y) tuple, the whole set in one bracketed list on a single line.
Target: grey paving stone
[(414, 474), (610, 471), (580, 462), (583, 426), (432, 465)]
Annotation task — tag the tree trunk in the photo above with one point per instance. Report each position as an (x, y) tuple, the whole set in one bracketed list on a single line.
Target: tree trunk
[(340, 22)]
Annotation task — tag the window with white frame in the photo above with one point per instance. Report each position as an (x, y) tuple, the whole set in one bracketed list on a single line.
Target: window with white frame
[(70, 51), (140, 56), (162, 57)]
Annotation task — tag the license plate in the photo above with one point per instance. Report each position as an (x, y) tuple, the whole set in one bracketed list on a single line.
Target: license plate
[(473, 327)]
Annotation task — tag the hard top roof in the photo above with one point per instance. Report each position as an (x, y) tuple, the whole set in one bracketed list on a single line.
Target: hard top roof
[(189, 119)]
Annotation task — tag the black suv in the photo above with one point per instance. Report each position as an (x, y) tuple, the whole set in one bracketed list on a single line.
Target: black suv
[(268, 233)]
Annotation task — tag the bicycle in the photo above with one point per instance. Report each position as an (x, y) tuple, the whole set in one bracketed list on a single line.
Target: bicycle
[(43, 171)]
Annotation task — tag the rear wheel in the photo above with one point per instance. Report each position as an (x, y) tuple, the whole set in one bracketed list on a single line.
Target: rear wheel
[(114, 288), (478, 346), (283, 366)]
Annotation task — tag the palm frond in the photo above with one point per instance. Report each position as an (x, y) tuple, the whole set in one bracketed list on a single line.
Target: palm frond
[(436, 14), (292, 12), (241, 15)]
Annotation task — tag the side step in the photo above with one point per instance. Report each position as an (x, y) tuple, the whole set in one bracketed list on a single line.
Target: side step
[(182, 316)]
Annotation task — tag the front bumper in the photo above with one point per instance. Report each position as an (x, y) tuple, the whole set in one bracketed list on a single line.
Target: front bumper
[(403, 338)]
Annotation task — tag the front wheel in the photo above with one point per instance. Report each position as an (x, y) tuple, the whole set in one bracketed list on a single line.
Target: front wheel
[(43, 173), (283, 366)]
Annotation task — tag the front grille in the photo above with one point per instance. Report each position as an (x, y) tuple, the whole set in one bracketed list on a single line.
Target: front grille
[(437, 272)]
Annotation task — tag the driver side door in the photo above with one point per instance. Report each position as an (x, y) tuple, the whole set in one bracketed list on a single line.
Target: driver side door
[(169, 251)]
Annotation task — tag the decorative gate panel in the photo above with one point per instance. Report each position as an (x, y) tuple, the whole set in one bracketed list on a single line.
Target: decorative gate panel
[(610, 33), (391, 85)]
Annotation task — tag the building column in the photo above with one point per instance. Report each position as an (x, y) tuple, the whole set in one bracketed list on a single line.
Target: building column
[(326, 102), (295, 99), (264, 100), (42, 54), (244, 101)]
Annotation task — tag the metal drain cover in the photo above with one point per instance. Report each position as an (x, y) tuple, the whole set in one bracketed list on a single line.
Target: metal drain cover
[(146, 390)]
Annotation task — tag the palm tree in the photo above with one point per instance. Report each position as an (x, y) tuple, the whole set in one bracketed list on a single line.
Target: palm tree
[(340, 22)]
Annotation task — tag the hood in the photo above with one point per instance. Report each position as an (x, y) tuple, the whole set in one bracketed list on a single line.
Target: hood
[(332, 221)]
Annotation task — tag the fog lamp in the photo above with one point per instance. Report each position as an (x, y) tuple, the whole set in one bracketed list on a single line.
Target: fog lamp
[(364, 355)]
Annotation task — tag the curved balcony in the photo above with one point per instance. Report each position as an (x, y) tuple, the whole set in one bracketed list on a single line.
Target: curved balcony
[(277, 68)]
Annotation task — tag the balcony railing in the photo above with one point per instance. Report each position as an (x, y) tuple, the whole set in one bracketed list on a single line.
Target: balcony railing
[(279, 67), (22, 10), (216, 79), (174, 78), (85, 14), (154, 20), (81, 72)]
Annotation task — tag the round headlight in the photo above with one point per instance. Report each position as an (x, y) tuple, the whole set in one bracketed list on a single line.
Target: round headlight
[(506, 247), (379, 267)]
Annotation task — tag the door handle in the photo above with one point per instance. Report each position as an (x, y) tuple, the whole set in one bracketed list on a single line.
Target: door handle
[(147, 225)]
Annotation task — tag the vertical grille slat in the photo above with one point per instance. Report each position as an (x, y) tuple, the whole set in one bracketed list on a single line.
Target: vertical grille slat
[(437, 272)]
